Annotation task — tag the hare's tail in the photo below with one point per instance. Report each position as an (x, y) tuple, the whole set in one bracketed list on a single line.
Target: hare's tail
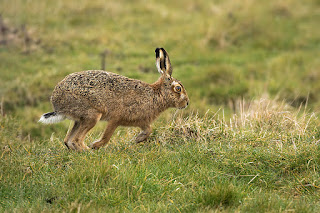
[(51, 118)]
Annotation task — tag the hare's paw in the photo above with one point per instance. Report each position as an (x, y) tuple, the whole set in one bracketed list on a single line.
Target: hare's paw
[(96, 145), (141, 137), (144, 134), (76, 146)]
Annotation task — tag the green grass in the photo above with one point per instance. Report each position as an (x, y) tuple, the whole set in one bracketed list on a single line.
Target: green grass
[(230, 151), (259, 161)]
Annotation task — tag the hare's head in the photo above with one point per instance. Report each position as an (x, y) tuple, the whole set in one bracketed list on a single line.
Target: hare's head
[(174, 91)]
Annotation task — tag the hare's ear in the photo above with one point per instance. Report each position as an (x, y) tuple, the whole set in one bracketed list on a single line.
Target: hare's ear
[(163, 62)]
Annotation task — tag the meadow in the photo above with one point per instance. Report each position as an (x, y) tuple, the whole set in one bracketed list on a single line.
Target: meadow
[(248, 142)]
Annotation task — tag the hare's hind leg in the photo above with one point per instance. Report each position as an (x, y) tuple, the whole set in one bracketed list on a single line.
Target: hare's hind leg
[(146, 131), (76, 139), (106, 136), (71, 133)]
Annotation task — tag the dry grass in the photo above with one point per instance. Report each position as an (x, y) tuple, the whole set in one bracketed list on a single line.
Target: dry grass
[(263, 118)]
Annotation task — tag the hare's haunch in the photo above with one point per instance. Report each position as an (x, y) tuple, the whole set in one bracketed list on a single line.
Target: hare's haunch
[(89, 96)]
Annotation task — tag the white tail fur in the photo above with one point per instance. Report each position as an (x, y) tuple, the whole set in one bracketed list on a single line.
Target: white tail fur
[(51, 118)]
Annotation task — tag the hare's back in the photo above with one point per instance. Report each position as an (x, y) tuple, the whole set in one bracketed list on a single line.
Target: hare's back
[(89, 79), (92, 89)]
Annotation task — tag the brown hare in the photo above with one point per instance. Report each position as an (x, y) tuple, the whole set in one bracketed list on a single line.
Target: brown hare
[(89, 96)]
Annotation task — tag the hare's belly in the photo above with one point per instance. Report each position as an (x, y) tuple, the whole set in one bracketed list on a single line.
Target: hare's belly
[(127, 116)]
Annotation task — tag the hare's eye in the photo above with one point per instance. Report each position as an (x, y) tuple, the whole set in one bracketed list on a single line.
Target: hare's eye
[(178, 89)]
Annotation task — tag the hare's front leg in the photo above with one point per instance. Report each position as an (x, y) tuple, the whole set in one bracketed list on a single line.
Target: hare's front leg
[(105, 137), (146, 131)]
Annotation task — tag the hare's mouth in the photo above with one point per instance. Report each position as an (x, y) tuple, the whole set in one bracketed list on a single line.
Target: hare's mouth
[(184, 106)]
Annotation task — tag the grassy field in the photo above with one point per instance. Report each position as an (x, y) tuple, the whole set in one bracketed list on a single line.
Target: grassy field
[(249, 142)]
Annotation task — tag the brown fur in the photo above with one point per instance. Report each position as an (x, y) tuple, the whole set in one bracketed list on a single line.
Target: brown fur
[(89, 96)]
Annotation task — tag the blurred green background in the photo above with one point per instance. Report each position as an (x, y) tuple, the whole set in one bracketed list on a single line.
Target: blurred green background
[(222, 51)]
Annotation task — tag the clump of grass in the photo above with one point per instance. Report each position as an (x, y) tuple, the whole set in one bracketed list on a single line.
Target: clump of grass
[(274, 116), (263, 118), (222, 196)]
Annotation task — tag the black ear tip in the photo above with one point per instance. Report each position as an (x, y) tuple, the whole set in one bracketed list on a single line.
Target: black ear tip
[(157, 52)]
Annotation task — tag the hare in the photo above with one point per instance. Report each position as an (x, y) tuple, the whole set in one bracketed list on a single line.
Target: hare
[(89, 96)]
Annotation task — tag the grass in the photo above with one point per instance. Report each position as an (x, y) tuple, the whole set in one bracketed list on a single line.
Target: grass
[(249, 163), (245, 144)]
